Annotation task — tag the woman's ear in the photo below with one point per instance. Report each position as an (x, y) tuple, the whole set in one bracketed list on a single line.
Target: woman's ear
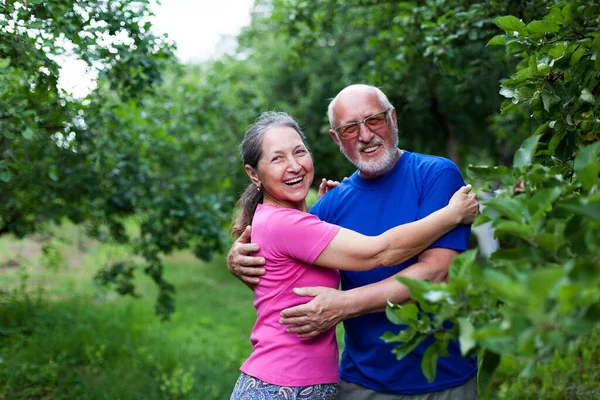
[(251, 172)]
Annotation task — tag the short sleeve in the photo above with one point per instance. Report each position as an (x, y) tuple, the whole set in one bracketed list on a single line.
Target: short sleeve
[(436, 194), (300, 235)]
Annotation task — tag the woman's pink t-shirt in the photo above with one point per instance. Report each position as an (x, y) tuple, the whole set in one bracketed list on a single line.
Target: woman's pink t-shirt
[(290, 241)]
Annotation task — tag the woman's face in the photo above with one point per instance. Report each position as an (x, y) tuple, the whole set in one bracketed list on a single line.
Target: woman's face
[(285, 171)]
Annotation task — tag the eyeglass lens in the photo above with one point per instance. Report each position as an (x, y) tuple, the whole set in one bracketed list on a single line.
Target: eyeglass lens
[(373, 122)]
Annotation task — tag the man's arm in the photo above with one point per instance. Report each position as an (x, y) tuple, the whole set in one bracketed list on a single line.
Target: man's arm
[(242, 264), (330, 306)]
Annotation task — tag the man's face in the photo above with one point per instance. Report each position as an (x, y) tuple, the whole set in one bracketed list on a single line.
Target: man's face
[(372, 152)]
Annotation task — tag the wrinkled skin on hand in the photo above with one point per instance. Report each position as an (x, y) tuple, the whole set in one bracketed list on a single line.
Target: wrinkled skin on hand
[(323, 312)]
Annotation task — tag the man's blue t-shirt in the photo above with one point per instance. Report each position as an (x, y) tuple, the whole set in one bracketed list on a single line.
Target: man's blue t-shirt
[(417, 186)]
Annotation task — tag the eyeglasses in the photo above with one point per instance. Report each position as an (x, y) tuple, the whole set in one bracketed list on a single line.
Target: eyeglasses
[(372, 122)]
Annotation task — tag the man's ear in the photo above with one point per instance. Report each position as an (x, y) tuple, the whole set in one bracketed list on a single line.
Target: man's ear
[(252, 175), (335, 138), (394, 119)]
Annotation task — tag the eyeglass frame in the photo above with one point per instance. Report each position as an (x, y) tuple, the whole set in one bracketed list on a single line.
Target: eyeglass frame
[(357, 123)]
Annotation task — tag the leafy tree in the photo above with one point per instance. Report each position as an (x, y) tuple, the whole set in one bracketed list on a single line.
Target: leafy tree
[(541, 290), (139, 146), (428, 56)]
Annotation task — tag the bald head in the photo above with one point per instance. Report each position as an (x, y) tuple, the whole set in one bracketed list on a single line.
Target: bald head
[(358, 94)]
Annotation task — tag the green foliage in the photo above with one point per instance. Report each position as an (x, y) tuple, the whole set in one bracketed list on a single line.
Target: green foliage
[(141, 144), (567, 374), (58, 340), (540, 292), (429, 57)]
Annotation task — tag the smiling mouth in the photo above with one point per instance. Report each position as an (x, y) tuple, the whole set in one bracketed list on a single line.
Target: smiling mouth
[(294, 181), (370, 149)]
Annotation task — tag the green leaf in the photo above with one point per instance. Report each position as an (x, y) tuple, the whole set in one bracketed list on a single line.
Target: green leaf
[(587, 156), (549, 99), (555, 141), (558, 50), (542, 27), (8, 134), (589, 210), (392, 316), (480, 220), (403, 315), (587, 96), (555, 15), (487, 366), (507, 92), (507, 207), (533, 65), (4, 62), (467, 343), (506, 288), (499, 40), (405, 348), (27, 133), (461, 264), (403, 336), (510, 24), (576, 56), (429, 362), (518, 254), (567, 12), (416, 287), (512, 228), (491, 173), (542, 128), (550, 241), (5, 176), (541, 202), (524, 155), (588, 176), (542, 282), (523, 92), (516, 47)]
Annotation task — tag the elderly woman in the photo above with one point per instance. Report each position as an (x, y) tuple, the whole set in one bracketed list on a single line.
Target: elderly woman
[(300, 250)]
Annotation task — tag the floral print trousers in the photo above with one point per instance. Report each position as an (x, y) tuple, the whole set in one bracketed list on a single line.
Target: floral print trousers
[(250, 388)]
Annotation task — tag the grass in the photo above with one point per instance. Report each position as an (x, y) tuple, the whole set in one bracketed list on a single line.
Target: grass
[(62, 337), (564, 376)]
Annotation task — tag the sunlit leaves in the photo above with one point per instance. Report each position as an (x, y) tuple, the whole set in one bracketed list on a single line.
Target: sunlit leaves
[(510, 24), (524, 154)]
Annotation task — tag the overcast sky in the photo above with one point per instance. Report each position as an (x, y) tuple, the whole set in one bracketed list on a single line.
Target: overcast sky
[(197, 25)]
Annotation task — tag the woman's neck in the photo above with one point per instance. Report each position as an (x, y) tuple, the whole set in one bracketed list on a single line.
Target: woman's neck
[(300, 206)]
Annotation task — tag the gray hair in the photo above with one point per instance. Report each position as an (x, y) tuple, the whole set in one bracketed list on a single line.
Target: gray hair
[(385, 103), (251, 153)]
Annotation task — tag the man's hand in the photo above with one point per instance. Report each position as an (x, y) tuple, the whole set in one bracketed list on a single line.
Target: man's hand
[(324, 311), (242, 264)]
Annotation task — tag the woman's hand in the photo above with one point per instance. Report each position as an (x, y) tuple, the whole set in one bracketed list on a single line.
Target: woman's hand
[(326, 186), (465, 205)]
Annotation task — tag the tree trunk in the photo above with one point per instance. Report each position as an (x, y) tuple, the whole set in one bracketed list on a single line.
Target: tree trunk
[(446, 126)]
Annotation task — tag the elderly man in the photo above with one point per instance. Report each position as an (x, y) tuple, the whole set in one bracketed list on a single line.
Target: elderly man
[(391, 187)]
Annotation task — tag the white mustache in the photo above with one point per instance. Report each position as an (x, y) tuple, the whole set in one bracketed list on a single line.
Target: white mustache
[(373, 142)]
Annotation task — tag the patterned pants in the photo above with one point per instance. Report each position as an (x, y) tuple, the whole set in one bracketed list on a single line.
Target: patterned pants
[(249, 388)]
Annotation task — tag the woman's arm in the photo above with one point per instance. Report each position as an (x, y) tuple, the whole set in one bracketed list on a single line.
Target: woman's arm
[(352, 251)]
